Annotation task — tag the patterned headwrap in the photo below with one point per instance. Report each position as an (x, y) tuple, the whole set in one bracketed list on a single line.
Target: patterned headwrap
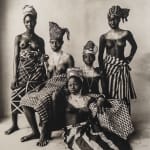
[(29, 10), (56, 32), (117, 11), (90, 47), (75, 72)]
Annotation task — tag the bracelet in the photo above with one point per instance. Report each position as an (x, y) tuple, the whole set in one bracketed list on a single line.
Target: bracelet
[(102, 96)]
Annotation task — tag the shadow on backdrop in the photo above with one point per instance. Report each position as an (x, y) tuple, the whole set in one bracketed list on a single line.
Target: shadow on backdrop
[(3, 12)]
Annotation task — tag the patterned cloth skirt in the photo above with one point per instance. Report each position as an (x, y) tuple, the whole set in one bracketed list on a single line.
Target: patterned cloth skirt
[(30, 75), (41, 100), (85, 137), (120, 85), (115, 119)]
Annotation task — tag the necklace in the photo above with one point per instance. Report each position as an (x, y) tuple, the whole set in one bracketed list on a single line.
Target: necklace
[(56, 59), (89, 74), (77, 101)]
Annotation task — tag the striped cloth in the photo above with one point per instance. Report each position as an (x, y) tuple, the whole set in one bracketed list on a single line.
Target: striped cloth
[(120, 85), (30, 75), (41, 101), (85, 137), (89, 135)]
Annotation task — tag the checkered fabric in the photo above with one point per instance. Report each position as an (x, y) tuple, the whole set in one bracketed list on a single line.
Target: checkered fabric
[(116, 119), (40, 101)]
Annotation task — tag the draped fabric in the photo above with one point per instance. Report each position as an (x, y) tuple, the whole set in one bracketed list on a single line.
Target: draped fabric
[(89, 135), (120, 85), (41, 101), (115, 119), (30, 75)]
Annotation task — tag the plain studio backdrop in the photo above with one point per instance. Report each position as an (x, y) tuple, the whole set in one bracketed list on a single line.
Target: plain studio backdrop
[(86, 20)]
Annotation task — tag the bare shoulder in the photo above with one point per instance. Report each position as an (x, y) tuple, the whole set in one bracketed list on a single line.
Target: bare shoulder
[(125, 33), (40, 39), (67, 56), (18, 37), (103, 36)]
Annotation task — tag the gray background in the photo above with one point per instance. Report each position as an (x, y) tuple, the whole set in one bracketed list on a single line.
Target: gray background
[(86, 20)]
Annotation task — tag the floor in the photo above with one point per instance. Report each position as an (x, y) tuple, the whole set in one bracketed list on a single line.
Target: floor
[(140, 140)]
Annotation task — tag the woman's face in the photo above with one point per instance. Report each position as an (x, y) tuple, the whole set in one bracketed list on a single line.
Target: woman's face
[(88, 59), (56, 45), (74, 85), (113, 21), (29, 22)]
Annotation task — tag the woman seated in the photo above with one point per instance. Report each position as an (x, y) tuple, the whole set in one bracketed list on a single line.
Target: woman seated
[(82, 128), (116, 117), (41, 100)]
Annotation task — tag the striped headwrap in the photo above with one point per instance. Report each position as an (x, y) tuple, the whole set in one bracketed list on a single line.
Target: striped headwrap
[(117, 11)]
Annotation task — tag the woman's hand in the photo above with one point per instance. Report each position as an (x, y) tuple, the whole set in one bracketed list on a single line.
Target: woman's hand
[(102, 104), (128, 59), (14, 84)]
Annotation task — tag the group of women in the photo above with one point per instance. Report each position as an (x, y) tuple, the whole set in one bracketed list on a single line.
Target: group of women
[(68, 97)]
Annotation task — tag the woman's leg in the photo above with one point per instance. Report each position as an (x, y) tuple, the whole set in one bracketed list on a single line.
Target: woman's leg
[(46, 128), (30, 115), (14, 126), (45, 135)]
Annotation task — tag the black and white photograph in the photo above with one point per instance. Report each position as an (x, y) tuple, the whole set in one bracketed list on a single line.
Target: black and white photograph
[(75, 74)]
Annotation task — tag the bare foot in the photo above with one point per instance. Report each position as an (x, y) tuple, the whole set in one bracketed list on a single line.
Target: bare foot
[(30, 137), (11, 130), (45, 135), (44, 140)]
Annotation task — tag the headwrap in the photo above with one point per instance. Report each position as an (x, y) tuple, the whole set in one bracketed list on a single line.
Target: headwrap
[(29, 10), (122, 13), (75, 72), (56, 32), (90, 47)]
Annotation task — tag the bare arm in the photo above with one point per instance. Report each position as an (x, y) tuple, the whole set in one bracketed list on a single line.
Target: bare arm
[(133, 44), (101, 52), (16, 58), (15, 62), (70, 61), (42, 46)]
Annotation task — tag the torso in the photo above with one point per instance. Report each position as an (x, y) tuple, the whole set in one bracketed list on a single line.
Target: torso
[(91, 81), (58, 63), (115, 43), (29, 46), (77, 102)]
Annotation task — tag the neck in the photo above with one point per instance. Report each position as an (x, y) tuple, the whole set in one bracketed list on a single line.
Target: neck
[(57, 52), (88, 67), (116, 29), (29, 32), (77, 94)]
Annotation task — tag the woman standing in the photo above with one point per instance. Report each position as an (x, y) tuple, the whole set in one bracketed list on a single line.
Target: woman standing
[(115, 66), (29, 70), (41, 101)]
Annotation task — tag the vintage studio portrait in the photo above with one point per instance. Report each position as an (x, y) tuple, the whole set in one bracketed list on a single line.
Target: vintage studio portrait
[(75, 75)]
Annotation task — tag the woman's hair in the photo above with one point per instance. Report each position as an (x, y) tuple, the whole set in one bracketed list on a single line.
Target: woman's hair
[(121, 13)]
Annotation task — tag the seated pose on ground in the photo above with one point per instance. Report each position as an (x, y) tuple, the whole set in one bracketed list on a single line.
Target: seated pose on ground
[(29, 70), (115, 66), (82, 128), (41, 100)]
